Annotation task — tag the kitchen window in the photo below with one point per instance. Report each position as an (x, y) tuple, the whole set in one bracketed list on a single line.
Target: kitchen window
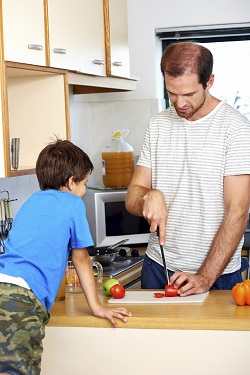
[(230, 46)]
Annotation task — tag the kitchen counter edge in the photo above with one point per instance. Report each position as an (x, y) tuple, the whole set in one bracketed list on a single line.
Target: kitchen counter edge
[(217, 312)]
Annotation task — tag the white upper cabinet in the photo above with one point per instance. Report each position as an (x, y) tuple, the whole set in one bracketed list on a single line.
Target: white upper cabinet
[(23, 31), (76, 35), (119, 47), (68, 34), (44, 42)]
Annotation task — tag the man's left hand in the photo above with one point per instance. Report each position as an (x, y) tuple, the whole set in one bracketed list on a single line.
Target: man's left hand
[(188, 283)]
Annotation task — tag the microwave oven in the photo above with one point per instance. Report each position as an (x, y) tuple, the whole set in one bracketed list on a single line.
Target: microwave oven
[(110, 222)]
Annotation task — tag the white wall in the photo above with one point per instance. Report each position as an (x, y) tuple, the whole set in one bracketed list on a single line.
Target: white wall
[(144, 16), (93, 124), (109, 112)]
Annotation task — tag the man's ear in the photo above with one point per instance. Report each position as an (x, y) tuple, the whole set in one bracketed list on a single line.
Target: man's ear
[(210, 81)]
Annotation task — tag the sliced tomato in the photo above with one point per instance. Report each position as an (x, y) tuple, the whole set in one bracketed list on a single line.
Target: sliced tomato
[(159, 295), (171, 291)]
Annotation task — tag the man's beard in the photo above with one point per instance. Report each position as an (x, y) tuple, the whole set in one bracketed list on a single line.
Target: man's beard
[(191, 112)]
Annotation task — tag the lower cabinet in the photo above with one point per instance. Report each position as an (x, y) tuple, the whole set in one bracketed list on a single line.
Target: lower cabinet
[(91, 350)]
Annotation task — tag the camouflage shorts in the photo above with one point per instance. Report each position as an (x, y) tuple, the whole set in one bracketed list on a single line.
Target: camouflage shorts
[(23, 320)]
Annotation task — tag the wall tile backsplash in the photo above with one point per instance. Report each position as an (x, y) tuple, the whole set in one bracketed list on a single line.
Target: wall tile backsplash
[(19, 188), (92, 125), (103, 119)]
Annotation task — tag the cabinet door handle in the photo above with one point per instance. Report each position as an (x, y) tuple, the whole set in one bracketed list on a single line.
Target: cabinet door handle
[(117, 63), (62, 51), (98, 62), (37, 47)]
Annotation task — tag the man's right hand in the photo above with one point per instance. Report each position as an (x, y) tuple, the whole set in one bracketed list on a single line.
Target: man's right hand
[(155, 212), (144, 201)]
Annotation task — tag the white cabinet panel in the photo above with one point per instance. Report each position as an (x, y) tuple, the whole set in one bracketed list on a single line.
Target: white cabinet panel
[(23, 31), (119, 48), (76, 34)]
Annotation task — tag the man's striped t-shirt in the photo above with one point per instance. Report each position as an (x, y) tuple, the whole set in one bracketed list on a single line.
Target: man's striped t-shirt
[(189, 160)]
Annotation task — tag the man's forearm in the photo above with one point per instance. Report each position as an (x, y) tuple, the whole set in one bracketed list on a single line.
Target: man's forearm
[(223, 247), (134, 199)]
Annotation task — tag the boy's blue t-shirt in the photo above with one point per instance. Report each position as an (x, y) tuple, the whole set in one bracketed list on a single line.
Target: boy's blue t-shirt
[(44, 230)]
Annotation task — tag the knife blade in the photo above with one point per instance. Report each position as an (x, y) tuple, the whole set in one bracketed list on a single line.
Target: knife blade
[(163, 259)]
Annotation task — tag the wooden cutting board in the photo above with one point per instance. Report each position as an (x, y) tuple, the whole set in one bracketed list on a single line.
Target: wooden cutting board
[(147, 296)]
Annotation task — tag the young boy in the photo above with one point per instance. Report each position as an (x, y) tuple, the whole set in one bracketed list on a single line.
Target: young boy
[(49, 224)]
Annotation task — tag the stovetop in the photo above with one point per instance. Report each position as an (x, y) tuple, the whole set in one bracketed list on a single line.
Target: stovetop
[(121, 264)]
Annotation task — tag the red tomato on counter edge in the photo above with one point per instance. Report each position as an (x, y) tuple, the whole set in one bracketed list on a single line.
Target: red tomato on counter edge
[(117, 291)]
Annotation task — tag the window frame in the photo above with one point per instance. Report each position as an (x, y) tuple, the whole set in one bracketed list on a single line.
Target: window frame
[(202, 34)]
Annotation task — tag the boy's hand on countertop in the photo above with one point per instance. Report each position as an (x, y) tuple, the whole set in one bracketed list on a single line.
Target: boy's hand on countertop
[(111, 313)]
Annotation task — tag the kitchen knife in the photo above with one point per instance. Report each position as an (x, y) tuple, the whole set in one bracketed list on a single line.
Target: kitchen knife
[(163, 259), (6, 209), (2, 227), (10, 210), (1, 215), (10, 214)]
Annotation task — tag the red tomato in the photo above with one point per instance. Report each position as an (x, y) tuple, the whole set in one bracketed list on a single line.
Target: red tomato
[(170, 291), (159, 295), (117, 291)]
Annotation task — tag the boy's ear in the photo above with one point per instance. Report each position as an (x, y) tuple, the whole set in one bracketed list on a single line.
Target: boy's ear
[(70, 183)]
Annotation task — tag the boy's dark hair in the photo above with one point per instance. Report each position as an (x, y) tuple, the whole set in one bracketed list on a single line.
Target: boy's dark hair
[(187, 57), (60, 160)]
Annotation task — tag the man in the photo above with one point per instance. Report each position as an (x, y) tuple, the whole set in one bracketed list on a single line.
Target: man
[(192, 180)]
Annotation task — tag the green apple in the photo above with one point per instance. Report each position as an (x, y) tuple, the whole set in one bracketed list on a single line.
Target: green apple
[(108, 285)]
